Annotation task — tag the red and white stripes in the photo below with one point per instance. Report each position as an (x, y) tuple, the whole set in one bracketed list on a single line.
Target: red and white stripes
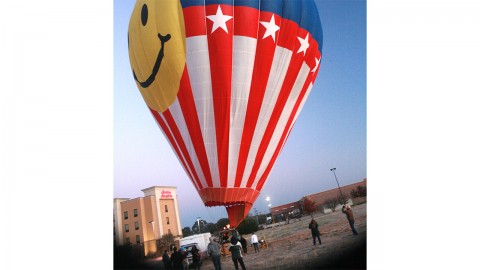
[(243, 86)]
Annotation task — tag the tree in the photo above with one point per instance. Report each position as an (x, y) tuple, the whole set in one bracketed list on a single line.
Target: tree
[(309, 206), (211, 227), (248, 225), (202, 229), (361, 191), (262, 219), (321, 209), (222, 223), (167, 239), (332, 203), (186, 231)]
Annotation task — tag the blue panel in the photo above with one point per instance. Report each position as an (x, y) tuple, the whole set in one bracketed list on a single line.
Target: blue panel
[(189, 3), (274, 6), (248, 3), (311, 21), (292, 10), (303, 12), (217, 2)]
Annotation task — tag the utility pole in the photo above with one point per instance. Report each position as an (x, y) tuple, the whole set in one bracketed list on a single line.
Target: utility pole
[(333, 170), (198, 221)]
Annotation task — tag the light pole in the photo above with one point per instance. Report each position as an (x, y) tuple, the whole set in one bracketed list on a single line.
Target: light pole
[(333, 170), (269, 205), (198, 221), (256, 214)]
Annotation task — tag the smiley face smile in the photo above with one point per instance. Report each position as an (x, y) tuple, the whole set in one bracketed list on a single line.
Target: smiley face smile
[(158, 62), (157, 67)]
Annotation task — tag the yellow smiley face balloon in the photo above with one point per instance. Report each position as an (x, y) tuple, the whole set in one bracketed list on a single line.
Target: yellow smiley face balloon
[(156, 46)]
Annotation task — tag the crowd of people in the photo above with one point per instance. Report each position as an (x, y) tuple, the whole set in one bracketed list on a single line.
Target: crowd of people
[(236, 246), (178, 259)]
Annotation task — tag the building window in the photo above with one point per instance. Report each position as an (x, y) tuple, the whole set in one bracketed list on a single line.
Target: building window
[(126, 228), (137, 237), (125, 215), (168, 220), (127, 240), (166, 208), (136, 225), (135, 212)]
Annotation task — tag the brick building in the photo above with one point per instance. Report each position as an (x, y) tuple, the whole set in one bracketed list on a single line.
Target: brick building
[(279, 212), (321, 197)]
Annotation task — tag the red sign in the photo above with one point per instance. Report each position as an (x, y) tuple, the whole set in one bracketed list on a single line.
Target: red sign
[(166, 194)]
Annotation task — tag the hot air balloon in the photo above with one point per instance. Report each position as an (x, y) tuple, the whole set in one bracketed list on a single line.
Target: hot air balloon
[(225, 81)]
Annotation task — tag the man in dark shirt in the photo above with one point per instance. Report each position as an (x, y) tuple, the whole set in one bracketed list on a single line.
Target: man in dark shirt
[(166, 260), (236, 250), (243, 242), (177, 258)]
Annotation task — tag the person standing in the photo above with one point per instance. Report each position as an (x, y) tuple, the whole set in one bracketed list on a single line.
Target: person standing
[(166, 260), (236, 250), (254, 241), (313, 226), (243, 242), (195, 258), (177, 258), (348, 211), (184, 258), (213, 250)]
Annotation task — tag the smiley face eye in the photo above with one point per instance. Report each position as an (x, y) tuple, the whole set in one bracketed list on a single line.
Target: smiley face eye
[(144, 14)]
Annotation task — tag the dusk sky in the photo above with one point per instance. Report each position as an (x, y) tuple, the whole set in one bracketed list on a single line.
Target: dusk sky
[(330, 131)]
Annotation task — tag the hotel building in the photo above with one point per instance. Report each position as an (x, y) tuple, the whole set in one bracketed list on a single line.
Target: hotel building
[(142, 220)]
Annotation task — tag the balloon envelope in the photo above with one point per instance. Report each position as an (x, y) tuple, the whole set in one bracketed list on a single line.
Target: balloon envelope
[(225, 81)]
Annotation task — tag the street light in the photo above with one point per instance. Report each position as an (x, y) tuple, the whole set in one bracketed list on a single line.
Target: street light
[(333, 170), (270, 205), (268, 201), (198, 221)]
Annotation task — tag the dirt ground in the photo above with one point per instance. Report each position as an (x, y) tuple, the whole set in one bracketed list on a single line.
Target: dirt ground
[(291, 245)]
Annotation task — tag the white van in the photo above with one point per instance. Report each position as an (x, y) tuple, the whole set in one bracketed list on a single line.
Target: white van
[(200, 240)]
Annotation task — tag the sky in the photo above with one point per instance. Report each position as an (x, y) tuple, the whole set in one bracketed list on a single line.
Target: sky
[(59, 123), (329, 133)]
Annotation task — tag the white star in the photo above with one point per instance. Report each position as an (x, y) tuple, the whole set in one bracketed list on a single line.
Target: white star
[(219, 20), (303, 45), (271, 28), (316, 64)]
